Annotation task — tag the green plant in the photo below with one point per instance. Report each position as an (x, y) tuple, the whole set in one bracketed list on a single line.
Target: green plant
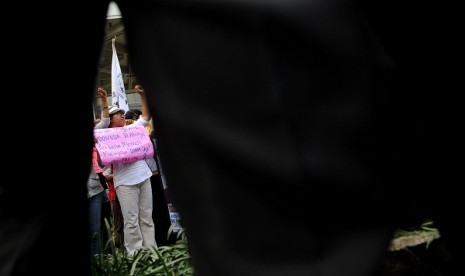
[(172, 260), (424, 233)]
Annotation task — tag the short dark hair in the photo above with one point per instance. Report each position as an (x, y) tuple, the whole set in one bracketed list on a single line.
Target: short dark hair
[(136, 111), (129, 114)]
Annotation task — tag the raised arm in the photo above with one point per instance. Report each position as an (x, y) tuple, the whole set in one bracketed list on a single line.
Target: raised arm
[(145, 106), (103, 97)]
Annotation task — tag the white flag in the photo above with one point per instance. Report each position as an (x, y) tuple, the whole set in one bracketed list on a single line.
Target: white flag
[(118, 92)]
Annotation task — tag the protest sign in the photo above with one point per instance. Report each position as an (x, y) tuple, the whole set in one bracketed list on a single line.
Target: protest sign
[(123, 144)]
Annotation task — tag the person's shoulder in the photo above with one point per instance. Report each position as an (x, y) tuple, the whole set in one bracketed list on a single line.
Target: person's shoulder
[(141, 121)]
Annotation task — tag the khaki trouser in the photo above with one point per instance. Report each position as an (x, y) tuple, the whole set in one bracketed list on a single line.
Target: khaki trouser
[(137, 207)]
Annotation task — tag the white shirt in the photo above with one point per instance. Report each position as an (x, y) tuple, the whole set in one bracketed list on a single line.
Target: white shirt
[(134, 172)]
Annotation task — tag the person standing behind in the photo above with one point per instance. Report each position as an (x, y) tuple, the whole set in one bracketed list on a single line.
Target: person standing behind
[(133, 187), (95, 190), (137, 113), (164, 201), (129, 117), (117, 223), (96, 196)]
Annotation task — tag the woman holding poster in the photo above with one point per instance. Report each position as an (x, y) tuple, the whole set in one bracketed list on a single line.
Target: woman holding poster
[(125, 148)]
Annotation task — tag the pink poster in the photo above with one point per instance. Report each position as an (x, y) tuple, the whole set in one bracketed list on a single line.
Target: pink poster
[(123, 144)]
